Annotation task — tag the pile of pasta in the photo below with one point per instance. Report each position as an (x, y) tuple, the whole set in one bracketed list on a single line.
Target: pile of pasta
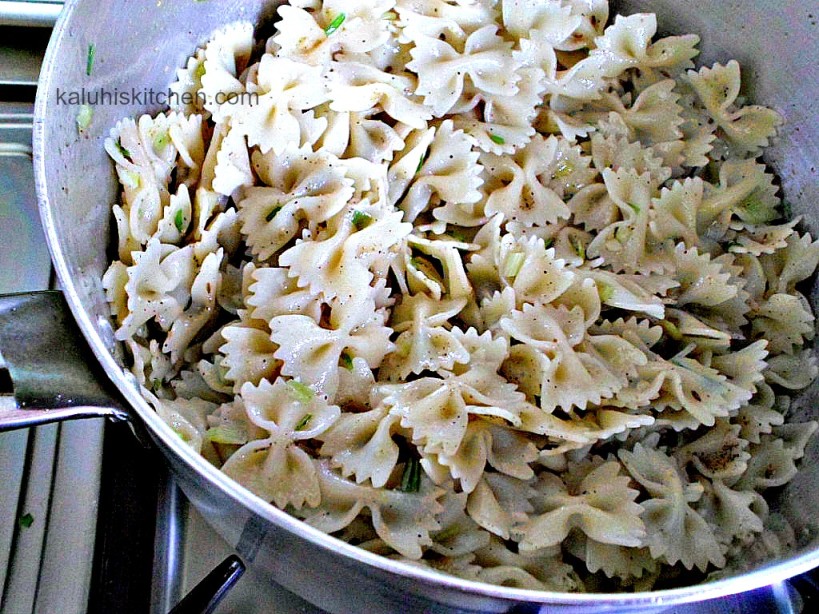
[(496, 287)]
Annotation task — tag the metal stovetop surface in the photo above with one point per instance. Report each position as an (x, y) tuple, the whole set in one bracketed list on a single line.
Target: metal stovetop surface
[(49, 476)]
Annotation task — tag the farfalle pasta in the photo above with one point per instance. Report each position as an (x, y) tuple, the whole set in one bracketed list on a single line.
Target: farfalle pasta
[(500, 288)]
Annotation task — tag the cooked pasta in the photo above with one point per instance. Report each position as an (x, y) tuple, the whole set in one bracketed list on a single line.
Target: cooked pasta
[(501, 288)]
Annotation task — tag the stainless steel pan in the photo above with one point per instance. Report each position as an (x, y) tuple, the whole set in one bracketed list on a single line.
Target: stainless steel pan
[(138, 45)]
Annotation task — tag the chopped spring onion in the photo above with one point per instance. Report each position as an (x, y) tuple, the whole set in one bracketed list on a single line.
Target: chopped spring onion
[(199, 72), (403, 345), (496, 138), (671, 330), (335, 24), (451, 531), (605, 291), (346, 361), (361, 220), (161, 141), (129, 179), (513, 265), (84, 116), (548, 243), (302, 392), (411, 479), (754, 211), (623, 233), (564, 169), (232, 434), (26, 521), (220, 371), (636, 208), (421, 163), (179, 221), (89, 62), (579, 248), (302, 424), (427, 270), (272, 213), (121, 149)]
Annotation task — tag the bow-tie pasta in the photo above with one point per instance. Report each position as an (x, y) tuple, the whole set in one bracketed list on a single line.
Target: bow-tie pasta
[(498, 288)]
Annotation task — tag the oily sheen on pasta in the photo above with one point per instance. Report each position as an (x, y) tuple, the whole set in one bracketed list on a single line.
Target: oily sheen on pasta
[(501, 288)]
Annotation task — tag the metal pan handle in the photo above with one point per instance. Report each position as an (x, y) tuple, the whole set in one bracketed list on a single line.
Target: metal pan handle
[(206, 596), (53, 372)]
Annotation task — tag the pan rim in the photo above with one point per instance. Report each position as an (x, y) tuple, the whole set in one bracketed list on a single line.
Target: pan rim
[(768, 574)]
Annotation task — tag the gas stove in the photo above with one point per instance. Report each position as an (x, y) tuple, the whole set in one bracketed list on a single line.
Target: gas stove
[(90, 520)]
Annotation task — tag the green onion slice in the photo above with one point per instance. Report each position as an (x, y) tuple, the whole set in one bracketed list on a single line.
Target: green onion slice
[(122, 150), (301, 392), (421, 163), (451, 531), (302, 424), (199, 72), (579, 248), (335, 24), (361, 220), (671, 330), (232, 434), (623, 233), (129, 179), (496, 138), (605, 291), (89, 62), (84, 116), (411, 478), (161, 141), (179, 221), (564, 169), (513, 265), (272, 213)]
